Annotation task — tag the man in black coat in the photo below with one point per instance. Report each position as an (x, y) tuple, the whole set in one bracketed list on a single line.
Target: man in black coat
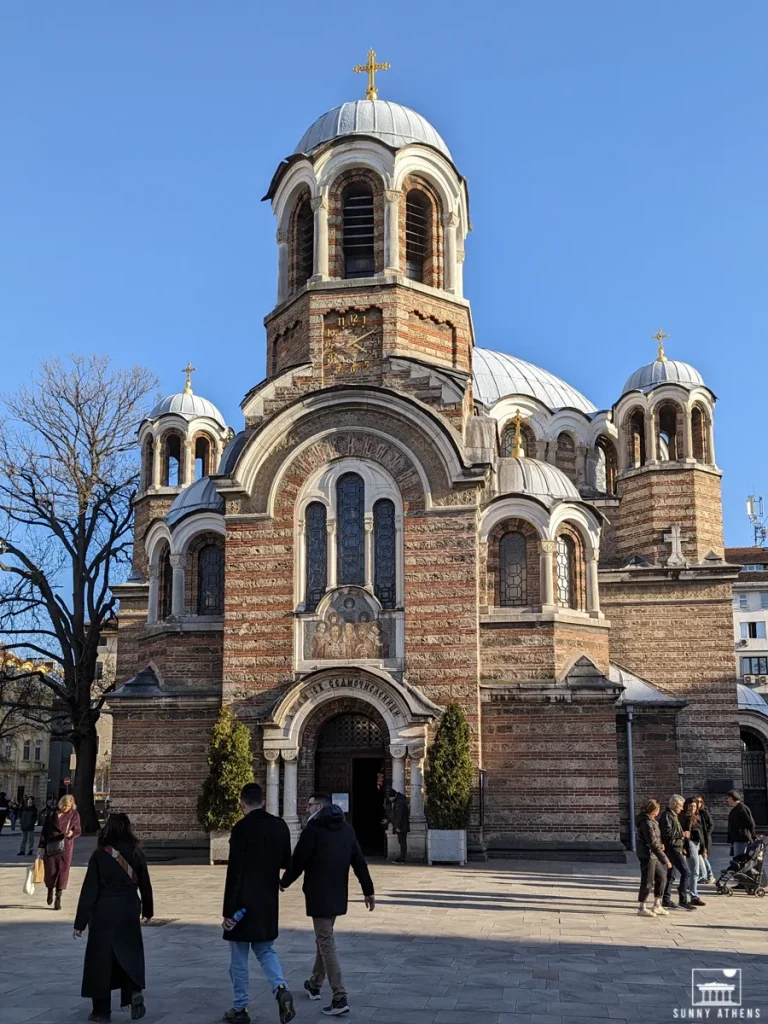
[(673, 837), (259, 847), (325, 852), (741, 825), (399, 818)]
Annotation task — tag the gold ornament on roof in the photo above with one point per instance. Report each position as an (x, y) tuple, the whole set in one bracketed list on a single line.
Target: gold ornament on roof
[(189, 369), (518, 452), (659, 339), (371, 93)]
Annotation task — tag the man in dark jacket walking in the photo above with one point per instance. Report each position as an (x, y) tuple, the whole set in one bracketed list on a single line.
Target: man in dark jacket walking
[(673, 838), (325, 852), (741, 825), (259, 847), (399, 818)]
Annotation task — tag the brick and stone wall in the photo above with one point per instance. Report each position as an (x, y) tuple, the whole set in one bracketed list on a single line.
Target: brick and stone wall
[(655, 755)]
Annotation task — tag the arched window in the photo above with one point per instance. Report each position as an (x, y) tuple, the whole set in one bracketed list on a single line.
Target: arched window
[(350, 566), (165, 586), (607, 466), (172, 461), (148, 464), (384, 561), (202, 457), (513, 571), (699, 435), (304, 242), (565, 455), (668, 447), (357, 204), (418, 215), (316, 548), (636, 439), (210, 580), (508, 440), (566, 567)]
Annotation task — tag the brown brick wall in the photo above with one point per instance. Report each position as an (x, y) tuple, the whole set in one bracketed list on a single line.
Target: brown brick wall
[(656, 760), (520, 651), (183, 659)]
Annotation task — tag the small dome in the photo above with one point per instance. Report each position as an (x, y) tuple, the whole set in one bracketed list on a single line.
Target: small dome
[(201, 496), (537, 479), (749, 700), (393, 124), (664, 371), (497, 375), (189, 406)]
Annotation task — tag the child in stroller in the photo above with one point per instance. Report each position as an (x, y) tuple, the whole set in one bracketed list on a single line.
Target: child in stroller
[(746, 870)]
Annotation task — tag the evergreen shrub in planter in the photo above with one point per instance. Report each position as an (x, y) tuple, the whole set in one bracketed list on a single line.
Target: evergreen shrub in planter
[(231, 767), (448, 781)]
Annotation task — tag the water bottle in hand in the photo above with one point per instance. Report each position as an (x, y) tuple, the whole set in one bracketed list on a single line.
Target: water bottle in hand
[(236, 917)]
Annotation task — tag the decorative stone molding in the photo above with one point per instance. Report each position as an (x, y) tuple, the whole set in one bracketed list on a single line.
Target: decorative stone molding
[(392, 195), (290, 754), (397, 751), (282, 236), (271, 755), (319, 203)]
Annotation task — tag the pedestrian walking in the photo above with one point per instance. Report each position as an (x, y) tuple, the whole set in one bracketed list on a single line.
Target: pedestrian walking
[(259, 848), (27, 822), (399, 818), (5, 806), (116, 894), (689, 819), (50, 808), (326, 850), (673, 839), (57, 840), (13, 813), (741, 824), (707, 827), (653, 861)]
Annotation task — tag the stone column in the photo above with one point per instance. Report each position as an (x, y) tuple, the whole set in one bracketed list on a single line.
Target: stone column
[(593, 594), (157, 462), (154, 591), (581, 465), (650, 436), (272, 758), (541, 450), (547, 584), (687, 452), (320, 207), (417, 840), (177, 592), (391, 231), (368, 524), (330, 527), (398, 783), (450, 223), (187, 474), (458, 288), (290, 792), (283, 283), (217, 452)]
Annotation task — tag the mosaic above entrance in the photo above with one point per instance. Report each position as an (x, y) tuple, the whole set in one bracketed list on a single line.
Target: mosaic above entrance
[(350, 628)]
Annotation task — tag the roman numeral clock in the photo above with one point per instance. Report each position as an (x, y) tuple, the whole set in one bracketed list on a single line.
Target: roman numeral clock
[(352, 344)]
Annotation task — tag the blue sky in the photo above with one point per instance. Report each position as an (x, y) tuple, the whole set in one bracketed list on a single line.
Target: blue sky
[(616, 156)]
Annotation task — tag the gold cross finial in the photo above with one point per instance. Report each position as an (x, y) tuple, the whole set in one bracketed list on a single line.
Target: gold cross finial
[(371, 93), (659, 338), (518, 452), (189, 369)]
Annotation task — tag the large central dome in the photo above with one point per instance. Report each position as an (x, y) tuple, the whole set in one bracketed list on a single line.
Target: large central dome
[(497, 374), (392, 123)]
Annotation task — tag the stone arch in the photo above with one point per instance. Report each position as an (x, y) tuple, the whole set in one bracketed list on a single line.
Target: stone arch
[(432, 269), (301, 232), (362, 176), (172, 458), (634, 437), (192, 594), (701, 427), (565, 455), (668, 417), (570, 593), (147, 462), (507, 440), (203, 451), (492, 579), (607, 467)]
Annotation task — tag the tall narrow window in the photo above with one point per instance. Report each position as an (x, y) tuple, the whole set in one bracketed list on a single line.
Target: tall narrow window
[(148, 465), (384, 565), (210, 580), (668, 448), (607, 466), (418, 210), (636, 439), (565, 456), (202, 457), (566, 552), (358, 231), (513, 571), (304, 242), (316, 549), (508, 440), (699, 435), (350, 529), (165, 590), (172, 460)]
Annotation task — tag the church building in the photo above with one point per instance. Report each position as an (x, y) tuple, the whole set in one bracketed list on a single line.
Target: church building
[(406, 518)]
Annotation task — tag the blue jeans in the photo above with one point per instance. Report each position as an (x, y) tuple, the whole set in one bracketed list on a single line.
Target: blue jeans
[(693, 868), (238, 968), (739, 848)]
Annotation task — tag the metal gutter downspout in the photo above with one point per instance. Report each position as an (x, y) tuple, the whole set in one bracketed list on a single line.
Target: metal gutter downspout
[(631, 782)]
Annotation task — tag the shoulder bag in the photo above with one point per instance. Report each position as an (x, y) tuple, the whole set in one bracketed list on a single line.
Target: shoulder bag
[(120, 859)]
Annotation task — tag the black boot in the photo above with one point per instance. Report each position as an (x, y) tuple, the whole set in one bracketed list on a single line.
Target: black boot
[(49, 900), (57, 902)]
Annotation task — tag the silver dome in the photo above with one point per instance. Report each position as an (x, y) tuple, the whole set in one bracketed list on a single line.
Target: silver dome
[(392, 123), (536, 479), (189, 406), (201, 496), (497, 375), (664, 371), (749, 700)]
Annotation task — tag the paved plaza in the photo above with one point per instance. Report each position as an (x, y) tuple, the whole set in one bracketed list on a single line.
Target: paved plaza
[(496, 943)]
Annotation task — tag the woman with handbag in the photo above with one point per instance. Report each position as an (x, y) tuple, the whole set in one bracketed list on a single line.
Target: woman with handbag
[(689, 819), (57, 840), (116, 893)]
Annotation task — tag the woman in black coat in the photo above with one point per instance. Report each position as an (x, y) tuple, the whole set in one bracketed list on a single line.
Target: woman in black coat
[(111, 908), (654, 862), (707, 827)]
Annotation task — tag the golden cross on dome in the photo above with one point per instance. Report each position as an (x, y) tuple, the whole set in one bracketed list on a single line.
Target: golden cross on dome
[(189, 369), (371, 93), (518, 452), (659, 338)]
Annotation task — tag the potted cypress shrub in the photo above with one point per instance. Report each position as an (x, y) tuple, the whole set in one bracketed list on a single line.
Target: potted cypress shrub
[(448, 781), (231, 767)]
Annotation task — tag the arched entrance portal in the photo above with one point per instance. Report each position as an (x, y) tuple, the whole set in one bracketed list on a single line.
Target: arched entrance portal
[(753, 751), (350, 763)]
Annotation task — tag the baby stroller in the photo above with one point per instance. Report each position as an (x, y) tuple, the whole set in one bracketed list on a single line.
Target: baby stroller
[(746, 871)]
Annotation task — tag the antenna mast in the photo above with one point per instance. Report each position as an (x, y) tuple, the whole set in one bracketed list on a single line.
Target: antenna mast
[(756, 517)]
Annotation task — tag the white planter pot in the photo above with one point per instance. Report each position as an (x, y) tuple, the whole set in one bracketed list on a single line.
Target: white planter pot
[(219, 847), (446, 846)]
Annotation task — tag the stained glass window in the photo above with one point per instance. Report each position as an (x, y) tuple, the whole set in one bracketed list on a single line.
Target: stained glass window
[(513, 571), (384, 572), (316, 544), (210, 580), (165, 586), (350, 492), (566, 551)]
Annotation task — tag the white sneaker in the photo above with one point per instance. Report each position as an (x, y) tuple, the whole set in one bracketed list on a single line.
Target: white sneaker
[(658, 911), (643, 911)]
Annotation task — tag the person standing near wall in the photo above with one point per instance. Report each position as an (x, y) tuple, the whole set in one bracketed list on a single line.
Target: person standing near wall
[(653, 861), (399, 817), (5, 807), (741, 825), (689, 819), (27, 822), (673, 838)]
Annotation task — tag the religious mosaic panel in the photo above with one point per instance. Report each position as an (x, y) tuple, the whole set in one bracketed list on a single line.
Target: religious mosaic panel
[(349, 629)]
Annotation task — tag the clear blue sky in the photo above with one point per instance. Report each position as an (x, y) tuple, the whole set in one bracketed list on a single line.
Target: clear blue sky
[(616, 155)]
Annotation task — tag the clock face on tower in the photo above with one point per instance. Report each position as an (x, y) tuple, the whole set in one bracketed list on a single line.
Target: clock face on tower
[(352, 343)]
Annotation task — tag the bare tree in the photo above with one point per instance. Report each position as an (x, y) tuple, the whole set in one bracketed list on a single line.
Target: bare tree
[(68, 475)]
